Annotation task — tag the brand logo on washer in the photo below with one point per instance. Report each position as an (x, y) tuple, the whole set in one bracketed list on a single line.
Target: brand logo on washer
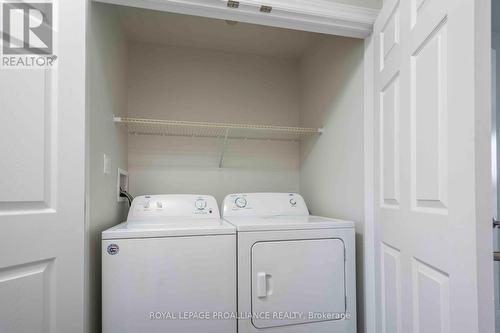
[(113, 249)]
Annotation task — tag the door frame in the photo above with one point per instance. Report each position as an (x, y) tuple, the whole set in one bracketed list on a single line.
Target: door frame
[(315, 16), (370, 236), (351, 21), (309, 15), (484, 199)]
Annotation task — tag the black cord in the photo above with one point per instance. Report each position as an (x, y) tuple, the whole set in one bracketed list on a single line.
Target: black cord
[(125, 194)]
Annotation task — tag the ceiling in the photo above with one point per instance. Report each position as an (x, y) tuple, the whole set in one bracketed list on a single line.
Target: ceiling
[(142, 25)]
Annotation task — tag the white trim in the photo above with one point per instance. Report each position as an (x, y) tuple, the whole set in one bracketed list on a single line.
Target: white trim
[(494, 159), (312, 15), (482, 166), (87, 297), (369, 232)]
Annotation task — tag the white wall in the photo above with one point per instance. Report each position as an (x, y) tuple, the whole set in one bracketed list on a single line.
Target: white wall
[(106, 95), (332, 167), (181, 83)]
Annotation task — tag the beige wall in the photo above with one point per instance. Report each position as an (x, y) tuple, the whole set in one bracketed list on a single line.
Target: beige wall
[(331, 175), (182, 83), (106, 95)]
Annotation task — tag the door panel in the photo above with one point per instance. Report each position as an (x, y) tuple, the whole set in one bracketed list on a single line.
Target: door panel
[(42, 136), (26, 141), (389, 124), (429, 157), (425, 166), (431, 297), (36, 280), (391, 289), (297, 276)]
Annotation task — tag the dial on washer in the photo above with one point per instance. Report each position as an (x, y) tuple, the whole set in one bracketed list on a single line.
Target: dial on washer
[(241, 202), (200, 204)]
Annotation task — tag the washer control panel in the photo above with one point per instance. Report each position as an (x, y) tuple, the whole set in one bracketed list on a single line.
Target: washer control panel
[(147, 207), (264, 204)]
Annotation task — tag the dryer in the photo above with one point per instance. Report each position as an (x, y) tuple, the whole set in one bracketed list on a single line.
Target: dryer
[(171, 267), (296, 272)]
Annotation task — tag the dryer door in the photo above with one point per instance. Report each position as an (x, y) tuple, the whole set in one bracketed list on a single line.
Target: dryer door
[(297, 282)]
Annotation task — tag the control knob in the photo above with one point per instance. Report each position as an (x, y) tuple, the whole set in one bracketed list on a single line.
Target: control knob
[(200, 204), (241, 202)]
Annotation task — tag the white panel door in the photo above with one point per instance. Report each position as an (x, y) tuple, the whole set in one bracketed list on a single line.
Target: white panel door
[(42, 164), (426, 160)]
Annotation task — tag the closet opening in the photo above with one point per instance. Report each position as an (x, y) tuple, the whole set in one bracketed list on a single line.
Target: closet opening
[(194, 105)]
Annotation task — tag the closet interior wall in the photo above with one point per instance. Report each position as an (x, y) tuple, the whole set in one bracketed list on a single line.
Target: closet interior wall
[(158, 65), (332, 166), (187, 83), (199, 69)]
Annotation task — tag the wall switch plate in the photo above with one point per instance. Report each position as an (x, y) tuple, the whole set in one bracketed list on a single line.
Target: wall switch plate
[(107, 164)]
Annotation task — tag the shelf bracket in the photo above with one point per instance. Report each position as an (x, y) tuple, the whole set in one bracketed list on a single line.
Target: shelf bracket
[(224, 146)]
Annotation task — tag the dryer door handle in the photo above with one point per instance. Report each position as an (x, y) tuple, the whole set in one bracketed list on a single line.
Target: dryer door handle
[(263, 279)]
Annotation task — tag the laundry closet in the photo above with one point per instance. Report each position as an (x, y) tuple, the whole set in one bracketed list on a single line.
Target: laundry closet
[(187, 104)]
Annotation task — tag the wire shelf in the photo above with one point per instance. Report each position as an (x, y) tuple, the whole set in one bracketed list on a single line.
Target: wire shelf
[(215, 130)]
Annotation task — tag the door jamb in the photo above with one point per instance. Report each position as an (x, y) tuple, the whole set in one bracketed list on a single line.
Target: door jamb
[(335, 19), (312, 15), (370, 319)]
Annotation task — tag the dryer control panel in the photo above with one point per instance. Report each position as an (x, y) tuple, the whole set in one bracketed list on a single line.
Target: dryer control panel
[(264, 204), (156, 207)]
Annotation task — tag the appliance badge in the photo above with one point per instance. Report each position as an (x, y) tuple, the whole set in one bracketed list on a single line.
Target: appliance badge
[(113, 249)]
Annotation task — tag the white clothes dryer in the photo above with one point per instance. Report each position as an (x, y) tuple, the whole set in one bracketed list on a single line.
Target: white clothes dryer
[(296, 272)]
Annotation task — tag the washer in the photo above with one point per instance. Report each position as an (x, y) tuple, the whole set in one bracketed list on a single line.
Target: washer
[(170, 265), (296, 272)]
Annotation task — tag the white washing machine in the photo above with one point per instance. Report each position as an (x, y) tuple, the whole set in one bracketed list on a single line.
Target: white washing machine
[(170, 268), (296, 272)]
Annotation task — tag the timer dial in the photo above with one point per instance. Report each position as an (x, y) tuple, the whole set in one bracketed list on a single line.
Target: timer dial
[(241, 202), (200, 204)]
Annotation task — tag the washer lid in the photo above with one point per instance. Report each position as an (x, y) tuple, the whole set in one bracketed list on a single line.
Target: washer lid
[(264, 223), (168, 228)]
